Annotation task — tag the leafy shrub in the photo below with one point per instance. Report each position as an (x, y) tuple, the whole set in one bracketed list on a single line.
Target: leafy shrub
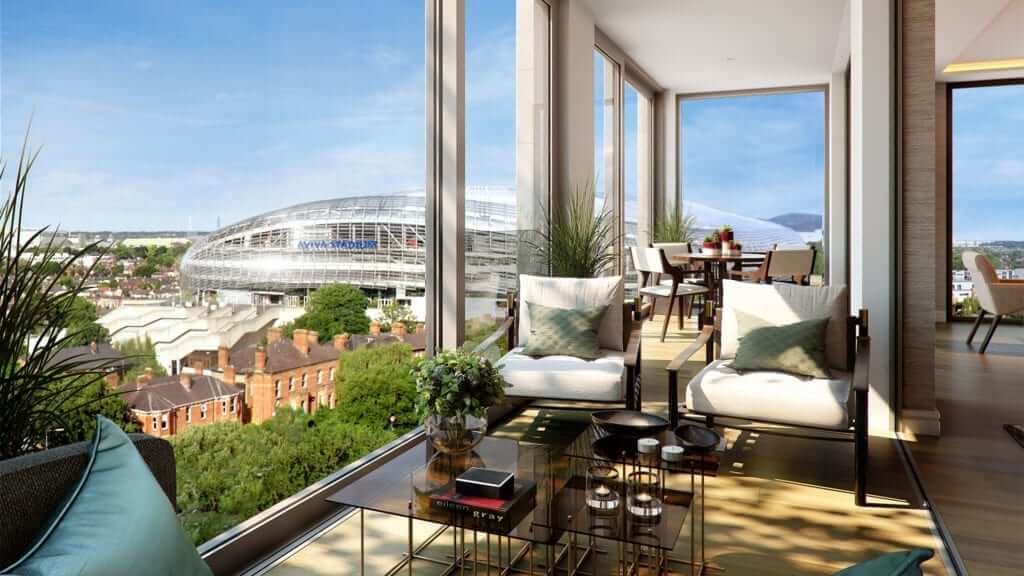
[(373, 384)]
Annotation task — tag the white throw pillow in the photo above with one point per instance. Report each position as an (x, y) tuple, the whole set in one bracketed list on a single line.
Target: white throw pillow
[(575, 293), (781, 304)]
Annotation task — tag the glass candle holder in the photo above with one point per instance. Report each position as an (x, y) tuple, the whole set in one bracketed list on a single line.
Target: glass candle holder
[(643, 496), (602, 488)]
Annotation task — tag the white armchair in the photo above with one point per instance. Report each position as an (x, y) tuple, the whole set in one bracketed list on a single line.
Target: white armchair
[(995, 295), (613, 378), (838, 403)]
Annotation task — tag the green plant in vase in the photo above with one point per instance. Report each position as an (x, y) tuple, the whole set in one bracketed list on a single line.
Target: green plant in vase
[(454, 389), (726, 233)]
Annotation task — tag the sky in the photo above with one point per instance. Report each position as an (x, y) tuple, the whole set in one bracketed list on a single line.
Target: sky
[(757, 155), (988, 163)]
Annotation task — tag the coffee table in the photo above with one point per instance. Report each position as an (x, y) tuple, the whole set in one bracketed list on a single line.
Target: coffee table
[(561, 531)]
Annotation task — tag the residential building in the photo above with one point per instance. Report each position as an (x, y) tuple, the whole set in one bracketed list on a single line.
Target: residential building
[(170, 405), (96, 357)]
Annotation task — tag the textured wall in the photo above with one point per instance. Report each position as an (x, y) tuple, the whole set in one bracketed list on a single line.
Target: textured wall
[(917, 109)]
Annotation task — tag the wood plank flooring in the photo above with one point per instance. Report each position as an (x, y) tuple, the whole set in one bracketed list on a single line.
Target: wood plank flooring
[(974, 473), (782, 505)]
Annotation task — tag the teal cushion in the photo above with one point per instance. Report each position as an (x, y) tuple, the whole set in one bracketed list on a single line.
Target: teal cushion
[(797, 348), (117, 520), (906, 563), (564, 331)]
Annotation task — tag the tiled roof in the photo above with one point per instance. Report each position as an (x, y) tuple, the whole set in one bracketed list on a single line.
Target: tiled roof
[(83, 358), (169, 393), (282, 355)]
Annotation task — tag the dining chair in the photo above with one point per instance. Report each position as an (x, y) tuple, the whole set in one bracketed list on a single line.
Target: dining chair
[(653, 261), (997, 296), (694, 274), (790, 265)]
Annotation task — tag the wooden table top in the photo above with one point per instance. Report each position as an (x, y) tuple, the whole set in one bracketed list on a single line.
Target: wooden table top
[(698, 256)]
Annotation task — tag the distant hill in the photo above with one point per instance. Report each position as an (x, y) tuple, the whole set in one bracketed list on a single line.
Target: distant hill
[(799, 221)]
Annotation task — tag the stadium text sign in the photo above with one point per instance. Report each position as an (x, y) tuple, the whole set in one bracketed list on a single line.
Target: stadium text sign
[(325, 245)]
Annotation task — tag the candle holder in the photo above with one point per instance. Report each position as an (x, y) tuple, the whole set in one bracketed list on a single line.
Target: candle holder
[(602, 488), (643, 496)]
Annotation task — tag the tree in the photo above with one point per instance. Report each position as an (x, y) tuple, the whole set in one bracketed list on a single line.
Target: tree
[(92, 396), (145, 270), (86, 334), (394, 313), (373, 384), (335, 309), (141, 354)]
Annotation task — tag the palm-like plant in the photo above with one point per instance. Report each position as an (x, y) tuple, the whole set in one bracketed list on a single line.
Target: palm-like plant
[(576, 241), (38, 392), (675, 226)]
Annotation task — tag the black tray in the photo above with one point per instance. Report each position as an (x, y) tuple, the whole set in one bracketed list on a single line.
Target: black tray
[(697, 437), (629, 423)]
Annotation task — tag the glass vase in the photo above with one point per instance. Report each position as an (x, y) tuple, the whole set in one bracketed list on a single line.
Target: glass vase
[(455, 434)]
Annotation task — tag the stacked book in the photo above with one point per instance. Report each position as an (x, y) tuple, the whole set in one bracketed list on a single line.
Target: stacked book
[(487, 500)]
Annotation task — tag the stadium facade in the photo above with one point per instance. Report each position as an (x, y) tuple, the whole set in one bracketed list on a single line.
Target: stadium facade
[(377, 242)]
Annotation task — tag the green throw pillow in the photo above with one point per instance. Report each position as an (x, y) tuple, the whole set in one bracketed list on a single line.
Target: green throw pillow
[(906, 563), (564, 331), (116, 520), (797, 348)]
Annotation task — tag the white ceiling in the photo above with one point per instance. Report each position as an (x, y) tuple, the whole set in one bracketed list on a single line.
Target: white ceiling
[(977, 31), (714, 45)]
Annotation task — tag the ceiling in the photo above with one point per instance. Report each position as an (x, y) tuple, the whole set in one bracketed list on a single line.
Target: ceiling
[(988, 30), (715, 45)]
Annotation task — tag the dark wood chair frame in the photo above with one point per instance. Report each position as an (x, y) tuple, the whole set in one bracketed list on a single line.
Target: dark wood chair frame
[(859, 358), (509, 329), (760, 274), (679, 275)]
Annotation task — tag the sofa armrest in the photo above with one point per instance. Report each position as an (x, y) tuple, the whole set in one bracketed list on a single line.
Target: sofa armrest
[(632, 355), (703, 339), (33, 486), (502, 330)]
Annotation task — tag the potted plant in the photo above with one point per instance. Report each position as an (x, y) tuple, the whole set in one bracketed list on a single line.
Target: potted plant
[(454, 389), (675, 227), (576, 241), (712, 244), (726, 233)]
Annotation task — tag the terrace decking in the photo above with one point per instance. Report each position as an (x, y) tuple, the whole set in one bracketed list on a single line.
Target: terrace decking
[(781, 505)]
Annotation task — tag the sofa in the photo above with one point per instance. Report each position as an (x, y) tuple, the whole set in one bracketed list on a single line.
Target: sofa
[(33, 486)]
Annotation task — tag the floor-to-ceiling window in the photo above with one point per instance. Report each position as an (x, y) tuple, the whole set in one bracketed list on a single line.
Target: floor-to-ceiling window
[(756, 161), (606, 103), (987, 146), (637, 127), (243, 166), (507, 152)]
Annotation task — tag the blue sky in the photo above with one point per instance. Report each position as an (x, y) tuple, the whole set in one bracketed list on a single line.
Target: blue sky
[(158, 115), (756, 155), (988, 163)]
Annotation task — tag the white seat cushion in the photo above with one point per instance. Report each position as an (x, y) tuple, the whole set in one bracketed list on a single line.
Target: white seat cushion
[(565, 377), (771, 396), (682, 290)]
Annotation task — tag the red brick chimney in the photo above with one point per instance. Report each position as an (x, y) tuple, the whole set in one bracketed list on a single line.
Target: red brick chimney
[(273, 334), (420, 328), (261, 358), (229, 375), (399, 329), (340, 341), (140, 381), (148, 374), (301, 339), (313, 337), (374, 328), (186, 380), (93, 347), (223, 357), (198, 367)]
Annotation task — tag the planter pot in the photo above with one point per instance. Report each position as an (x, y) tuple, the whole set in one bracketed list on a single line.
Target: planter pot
[(726, 236), (454, 434)]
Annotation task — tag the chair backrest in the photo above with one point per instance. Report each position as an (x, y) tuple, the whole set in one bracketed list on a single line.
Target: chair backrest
[(983, 275), (674, 248), (576, 293), (749, 306), (790, 263), (650, 260)]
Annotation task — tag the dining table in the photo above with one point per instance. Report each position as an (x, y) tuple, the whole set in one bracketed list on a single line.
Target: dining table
[(716, 268)]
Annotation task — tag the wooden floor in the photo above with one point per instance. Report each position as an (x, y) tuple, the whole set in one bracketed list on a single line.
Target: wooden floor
[(782, 505), (974, 473)]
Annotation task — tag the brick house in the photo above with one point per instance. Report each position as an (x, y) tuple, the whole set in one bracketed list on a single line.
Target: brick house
[(167, 406), (96, 358), (296, 372)]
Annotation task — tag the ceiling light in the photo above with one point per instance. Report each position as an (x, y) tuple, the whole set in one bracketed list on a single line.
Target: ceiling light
[(984, 66)]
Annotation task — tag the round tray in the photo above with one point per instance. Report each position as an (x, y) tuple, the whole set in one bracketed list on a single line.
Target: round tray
[(629, 423), (697, 437)]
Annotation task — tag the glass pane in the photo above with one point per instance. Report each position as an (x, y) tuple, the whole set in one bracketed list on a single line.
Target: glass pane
[(606, 82), (636, 137), (253, 174), (988, 144), (756, 163), (507, 164)]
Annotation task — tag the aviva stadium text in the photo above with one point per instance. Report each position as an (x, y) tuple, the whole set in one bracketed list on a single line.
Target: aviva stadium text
[(337, 244)]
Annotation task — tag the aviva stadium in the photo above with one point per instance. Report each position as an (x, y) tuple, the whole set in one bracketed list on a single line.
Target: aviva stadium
[(377, 243)]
